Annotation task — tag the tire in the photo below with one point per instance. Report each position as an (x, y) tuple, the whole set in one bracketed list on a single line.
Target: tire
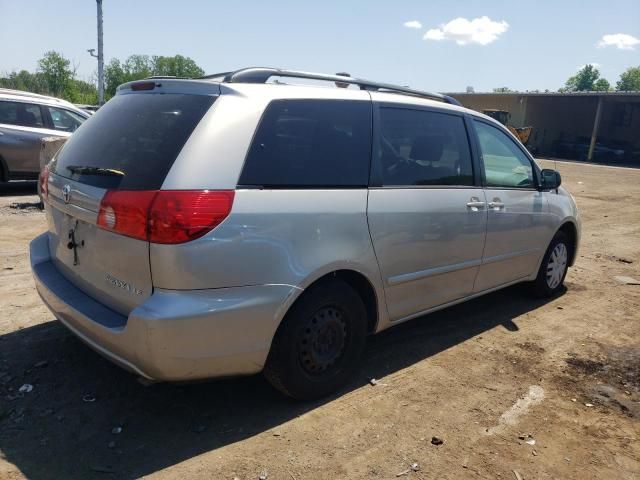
[(318, 346), (553, 269)]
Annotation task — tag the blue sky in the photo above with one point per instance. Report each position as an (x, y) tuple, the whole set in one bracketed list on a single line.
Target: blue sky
[(527, 44)]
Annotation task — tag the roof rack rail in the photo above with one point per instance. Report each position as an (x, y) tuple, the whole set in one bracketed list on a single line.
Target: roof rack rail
[(165, 77), (262, 75), (214, 76)]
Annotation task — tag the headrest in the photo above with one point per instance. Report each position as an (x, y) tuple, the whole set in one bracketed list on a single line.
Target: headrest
[(428, 148)]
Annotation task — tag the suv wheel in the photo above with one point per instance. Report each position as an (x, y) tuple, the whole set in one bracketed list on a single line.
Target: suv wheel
[(553, 268), (319, 343)]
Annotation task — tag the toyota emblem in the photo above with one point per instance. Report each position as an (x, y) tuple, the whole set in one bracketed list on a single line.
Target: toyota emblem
[(66, 193)]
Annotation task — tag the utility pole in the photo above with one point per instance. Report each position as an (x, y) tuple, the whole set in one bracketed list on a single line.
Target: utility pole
[(99, 56)]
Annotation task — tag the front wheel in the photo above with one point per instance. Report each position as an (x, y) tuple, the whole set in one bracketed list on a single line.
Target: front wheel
[(553, 268), (319, 343)]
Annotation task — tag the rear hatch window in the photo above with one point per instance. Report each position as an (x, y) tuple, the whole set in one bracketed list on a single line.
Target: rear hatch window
[(131, 142)]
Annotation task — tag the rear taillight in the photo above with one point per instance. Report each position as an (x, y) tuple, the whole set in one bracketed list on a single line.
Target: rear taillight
[(164, 216), (126, 212), (179, 216), (44, 183)]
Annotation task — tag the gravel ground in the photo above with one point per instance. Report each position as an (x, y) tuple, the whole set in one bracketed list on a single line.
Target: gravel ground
[(514, 387)]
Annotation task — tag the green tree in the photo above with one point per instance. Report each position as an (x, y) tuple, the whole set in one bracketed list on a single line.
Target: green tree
[(177, 66), (56, 72), (602, 85), (137, 67), (502, 90), (114, 75), (24, 80), (56, 77), (629, 80), (586, 80), (82, 92)]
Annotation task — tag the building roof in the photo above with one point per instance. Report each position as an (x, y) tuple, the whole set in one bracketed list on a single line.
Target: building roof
[(548, 94)]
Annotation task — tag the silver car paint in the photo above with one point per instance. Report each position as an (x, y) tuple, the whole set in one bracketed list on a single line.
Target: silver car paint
[(428, 244), (103, 258), (212, 306), (517, 235), (287, 237), (172, 335)]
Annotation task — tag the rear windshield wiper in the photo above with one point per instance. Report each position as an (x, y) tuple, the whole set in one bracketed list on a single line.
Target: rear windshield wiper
[(87, 170)]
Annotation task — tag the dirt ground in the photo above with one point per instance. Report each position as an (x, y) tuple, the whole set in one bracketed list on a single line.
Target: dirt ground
[(489, 378)]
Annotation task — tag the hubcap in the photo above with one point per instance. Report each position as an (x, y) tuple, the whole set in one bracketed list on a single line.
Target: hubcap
[(323, 340), (557, 265)]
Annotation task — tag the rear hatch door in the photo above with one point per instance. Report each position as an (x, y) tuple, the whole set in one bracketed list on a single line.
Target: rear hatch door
[(130, 144)]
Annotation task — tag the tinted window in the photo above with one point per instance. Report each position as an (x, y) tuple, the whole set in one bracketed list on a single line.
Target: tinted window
[(505, 165), (9, 113), (23, 114), (30, 116), (423, 148), (311, 143), (133, 140), (65, 120)]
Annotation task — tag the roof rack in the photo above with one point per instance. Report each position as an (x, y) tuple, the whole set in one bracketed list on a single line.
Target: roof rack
[(165, 77), (262, 75)]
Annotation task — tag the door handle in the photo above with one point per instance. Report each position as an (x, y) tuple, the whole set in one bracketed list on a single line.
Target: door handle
[(475, 205), (496, 205)]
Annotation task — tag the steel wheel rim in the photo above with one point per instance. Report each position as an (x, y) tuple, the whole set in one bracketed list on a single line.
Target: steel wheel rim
[(556, 265), (323, 340)]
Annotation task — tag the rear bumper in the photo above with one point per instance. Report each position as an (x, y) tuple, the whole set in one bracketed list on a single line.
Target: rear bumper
[(175, 334)]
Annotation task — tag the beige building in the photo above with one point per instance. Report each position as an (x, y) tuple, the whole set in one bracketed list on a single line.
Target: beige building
[(598, 126)]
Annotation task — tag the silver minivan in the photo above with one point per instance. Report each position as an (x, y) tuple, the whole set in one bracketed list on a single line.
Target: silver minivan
[(230, 225)]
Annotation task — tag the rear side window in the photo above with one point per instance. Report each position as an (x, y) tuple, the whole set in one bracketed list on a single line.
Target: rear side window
[(132, 141), (311, 143), (19, 113), (419, 147)]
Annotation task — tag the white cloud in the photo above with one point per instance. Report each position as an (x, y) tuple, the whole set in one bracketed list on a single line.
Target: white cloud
[(413, 24), (594, 64), (622, 41), (481, 30)]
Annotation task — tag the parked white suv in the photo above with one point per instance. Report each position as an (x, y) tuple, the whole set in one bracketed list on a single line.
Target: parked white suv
[(227, 225)]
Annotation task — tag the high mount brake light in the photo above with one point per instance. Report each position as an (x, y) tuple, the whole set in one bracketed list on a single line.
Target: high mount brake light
[(164, 216), (143, 86)]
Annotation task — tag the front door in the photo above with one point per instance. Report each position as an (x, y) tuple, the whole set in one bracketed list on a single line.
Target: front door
[(516, 223), (426, 215)]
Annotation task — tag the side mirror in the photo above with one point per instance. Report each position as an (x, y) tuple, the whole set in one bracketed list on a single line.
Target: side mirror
[(550, 179)]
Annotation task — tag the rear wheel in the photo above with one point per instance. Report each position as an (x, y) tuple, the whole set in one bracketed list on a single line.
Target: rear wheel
[(553, 268), (320, 341)]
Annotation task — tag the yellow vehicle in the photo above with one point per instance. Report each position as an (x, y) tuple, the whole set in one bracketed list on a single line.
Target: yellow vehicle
[(523, 133)]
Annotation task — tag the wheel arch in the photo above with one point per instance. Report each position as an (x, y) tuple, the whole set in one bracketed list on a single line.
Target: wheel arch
[(571, 231), (363, 286)]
